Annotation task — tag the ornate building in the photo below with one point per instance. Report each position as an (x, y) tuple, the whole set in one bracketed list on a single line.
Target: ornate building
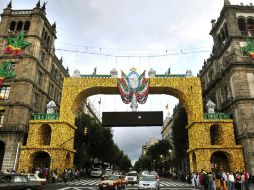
[(39, 76), (227, 77)]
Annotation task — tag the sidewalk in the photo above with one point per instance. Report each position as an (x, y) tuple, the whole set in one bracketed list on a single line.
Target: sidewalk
[(251, 186)]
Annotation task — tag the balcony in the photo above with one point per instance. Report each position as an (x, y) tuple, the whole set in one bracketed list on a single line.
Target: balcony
[(15, 128), (45, 116)]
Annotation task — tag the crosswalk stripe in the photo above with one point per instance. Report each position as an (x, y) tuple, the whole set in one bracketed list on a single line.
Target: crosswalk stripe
[(95, 182)]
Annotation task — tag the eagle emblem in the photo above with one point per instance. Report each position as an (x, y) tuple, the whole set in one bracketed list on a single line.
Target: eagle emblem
[(133, 88)]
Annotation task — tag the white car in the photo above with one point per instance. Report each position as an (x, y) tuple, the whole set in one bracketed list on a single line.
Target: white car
[(149, 182), (34, 177), (132, 177), (96, 172)]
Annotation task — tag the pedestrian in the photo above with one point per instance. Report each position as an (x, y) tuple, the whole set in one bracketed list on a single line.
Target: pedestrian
[(246, 180), (53, 176), (65, 176), (230, 181), (205, 180)]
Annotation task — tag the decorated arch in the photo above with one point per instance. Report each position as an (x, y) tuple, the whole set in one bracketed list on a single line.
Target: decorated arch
[(187, 89)]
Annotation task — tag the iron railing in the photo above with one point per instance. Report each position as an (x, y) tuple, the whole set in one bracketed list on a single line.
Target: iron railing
[(216, 116), (45, 116)]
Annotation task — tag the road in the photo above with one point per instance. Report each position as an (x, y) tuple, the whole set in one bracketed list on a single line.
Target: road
[(92, 184)]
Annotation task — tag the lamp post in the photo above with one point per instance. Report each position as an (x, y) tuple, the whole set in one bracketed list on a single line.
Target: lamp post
[(170, 160)]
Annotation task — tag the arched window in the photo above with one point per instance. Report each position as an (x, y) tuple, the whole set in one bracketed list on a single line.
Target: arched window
[(45, 36), (226, 31), (250, 26), (25, 139), (43, 32), (219, 40), (242, 26), (210, 76), (226, 92), (41, 160), (27, 25), (19, 26), (12, 26), (220, 161), (214, 135), (223, 37), (48, 40), (45, 135)]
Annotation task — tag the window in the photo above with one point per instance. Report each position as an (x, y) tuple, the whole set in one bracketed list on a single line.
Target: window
[(43, 31), (36, 100), (27, 25), (46, 134), (39, 77), (242, 26), (45, 36), (250, 26), (1, 118), (226, 92), (51, 89), (19, 26), (52, 70), (42, 57), (210, 76), (4, 92), (12, 26), (226, 31), (48, 40), (20, 179), (214, 135)]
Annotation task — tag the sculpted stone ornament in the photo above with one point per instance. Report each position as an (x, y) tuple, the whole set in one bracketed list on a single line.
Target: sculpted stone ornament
[(76, 74), (210, 106), (113, 73), (51, 107), (151, 73), (189, 73)]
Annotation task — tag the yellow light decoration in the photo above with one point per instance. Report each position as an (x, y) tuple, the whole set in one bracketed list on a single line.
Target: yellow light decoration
[(186, 89)]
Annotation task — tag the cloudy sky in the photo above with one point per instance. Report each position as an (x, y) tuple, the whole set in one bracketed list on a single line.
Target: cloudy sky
[(122, 34)]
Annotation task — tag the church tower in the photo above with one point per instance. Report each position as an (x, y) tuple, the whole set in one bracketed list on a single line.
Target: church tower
[(228, 75), (38, 76)]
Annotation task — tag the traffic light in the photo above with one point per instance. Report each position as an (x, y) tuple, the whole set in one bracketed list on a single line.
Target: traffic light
[(85, 131)]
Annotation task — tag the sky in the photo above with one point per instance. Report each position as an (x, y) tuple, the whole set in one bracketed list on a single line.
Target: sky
[(122, 34)]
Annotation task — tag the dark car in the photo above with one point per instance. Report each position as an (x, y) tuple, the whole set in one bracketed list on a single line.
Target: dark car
[(17, 182)]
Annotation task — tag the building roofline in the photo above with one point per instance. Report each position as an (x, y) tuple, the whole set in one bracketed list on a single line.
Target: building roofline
[(224, 9)]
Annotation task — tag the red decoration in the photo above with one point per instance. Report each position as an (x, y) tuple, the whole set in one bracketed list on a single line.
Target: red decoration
[(16, 52), (8, 50)]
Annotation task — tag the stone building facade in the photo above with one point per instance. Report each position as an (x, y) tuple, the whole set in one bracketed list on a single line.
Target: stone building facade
[(227, 77), (39, 76)]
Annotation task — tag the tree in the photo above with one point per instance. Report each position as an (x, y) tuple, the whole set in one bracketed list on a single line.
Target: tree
[(180, 136), (97, 143)]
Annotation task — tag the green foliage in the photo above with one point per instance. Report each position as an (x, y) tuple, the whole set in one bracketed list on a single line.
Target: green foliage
[(6, 71), (155, 156)]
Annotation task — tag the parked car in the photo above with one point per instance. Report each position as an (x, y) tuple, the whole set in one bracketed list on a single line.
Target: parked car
[(132, 177), (149, 182), (34, 177), (96, 172), (113, 182), (18, 182)]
